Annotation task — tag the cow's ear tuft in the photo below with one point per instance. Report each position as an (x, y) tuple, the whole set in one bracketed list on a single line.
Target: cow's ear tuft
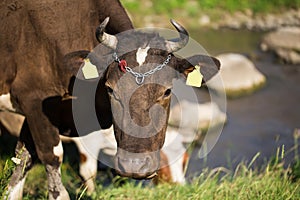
[(209, 66), (74, 60)]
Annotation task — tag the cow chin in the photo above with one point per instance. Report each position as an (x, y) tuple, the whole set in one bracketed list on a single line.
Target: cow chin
[(137, 165)]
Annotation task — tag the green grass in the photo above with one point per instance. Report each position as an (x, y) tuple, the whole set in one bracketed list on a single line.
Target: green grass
[(274, 180), (254, 5), (245, 182), (6, 169), (158, 12), (169, 6)]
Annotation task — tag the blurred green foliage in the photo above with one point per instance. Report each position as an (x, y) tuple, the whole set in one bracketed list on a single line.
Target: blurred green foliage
[(167, 6), (254, 5), (157, 12)]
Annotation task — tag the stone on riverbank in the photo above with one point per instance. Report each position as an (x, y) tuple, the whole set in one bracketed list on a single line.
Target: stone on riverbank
[(240, 76), (285, 42), (259, 22), (192, 119)]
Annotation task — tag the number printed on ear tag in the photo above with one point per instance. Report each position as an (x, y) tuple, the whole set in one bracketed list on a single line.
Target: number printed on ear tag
[(89, 70), (195, 77)]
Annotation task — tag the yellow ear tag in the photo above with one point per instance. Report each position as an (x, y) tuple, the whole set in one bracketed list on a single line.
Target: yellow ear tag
[(194, 78), (89, 70)]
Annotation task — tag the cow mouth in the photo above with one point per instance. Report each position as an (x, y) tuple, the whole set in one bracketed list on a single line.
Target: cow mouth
[(152, 175), (137, 175), (139, 166)]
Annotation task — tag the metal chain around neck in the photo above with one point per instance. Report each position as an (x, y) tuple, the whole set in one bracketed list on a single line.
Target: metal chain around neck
[(140, 77)]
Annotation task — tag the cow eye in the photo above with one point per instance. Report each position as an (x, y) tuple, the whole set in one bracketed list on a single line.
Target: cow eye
[(109, 90), (167, 93)]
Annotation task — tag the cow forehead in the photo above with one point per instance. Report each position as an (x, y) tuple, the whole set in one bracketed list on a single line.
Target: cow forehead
[(142, 60), (141, 55)]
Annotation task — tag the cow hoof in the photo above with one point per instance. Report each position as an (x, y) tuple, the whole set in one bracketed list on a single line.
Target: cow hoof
[(62, 195)]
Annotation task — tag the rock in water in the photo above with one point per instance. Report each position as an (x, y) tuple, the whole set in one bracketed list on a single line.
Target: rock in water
[(239, 75), (193, 119), (285, 42)]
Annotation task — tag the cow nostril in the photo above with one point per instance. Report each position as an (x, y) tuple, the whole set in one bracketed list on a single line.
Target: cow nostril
[(138, 165), (145, 165), (123, 164), (148, 159), (120, 166)]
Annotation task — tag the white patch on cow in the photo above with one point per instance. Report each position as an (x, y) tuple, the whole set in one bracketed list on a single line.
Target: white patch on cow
[(94, 142), (174, 150), (59, 151), (141, 55), (16, 192), (89, 147), (6, 104), (177, 171)]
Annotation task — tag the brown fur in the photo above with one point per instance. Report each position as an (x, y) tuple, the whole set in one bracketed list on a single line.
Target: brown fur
[(39, 68), (145, 97), (37, 34), (164, 173), (35, 37), (82, 158)]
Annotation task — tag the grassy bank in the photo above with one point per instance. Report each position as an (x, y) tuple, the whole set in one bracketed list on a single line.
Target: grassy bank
[(158, 12), (270, 182), (193, 6)]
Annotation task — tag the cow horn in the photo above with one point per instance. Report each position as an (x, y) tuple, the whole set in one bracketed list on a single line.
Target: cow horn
[(106, 39), (176, 44)]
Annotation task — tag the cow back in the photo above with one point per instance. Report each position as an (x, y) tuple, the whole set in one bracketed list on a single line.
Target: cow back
[(43, 31)]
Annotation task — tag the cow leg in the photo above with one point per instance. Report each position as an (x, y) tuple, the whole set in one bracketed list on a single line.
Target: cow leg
[(88, 162), (87, 151), (88, 170), (47, 144), (23, 162), (24, 159), (55, 186)]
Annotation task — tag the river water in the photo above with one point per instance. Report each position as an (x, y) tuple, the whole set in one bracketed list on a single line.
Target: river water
[(261, 122)]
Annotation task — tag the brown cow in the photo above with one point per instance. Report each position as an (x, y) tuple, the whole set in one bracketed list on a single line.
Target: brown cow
[(139, 86), (41, 82), (35, 36)]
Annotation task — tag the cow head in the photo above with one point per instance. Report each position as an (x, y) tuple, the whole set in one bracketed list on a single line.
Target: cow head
[(139, 85)]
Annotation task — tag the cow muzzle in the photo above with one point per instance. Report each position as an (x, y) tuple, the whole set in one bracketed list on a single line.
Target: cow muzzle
[(137, 165)]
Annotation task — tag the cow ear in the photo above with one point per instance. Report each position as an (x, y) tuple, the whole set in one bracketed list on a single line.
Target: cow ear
[(73, 61), (84, 65), (209, 66)]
